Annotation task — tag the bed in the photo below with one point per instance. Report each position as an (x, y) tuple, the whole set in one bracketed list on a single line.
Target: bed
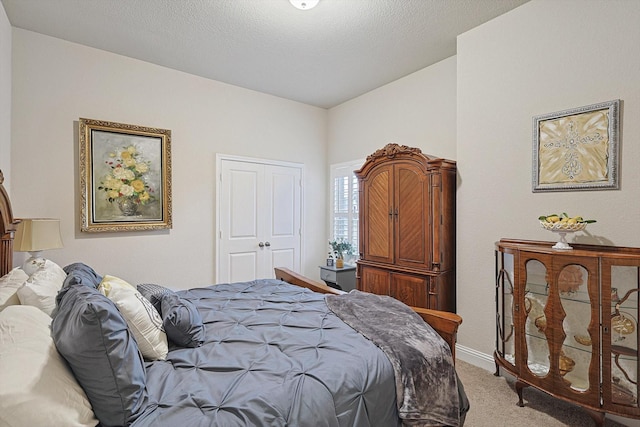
[(82, 348)]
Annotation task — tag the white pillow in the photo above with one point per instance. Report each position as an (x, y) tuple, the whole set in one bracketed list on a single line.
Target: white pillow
[(143, 319), (42, 287), (38, 389), (9, 285)]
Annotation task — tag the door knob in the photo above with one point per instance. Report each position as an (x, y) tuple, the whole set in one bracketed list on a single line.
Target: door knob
[(267, 244), (261, 244)]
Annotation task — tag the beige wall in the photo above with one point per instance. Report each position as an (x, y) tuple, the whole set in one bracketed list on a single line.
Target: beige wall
[(540, 58), (418, 110), (5, 97), (56, 82)]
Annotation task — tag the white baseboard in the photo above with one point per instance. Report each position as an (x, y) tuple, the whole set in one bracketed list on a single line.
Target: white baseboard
[(476, 358), (624, 421), (485, 361)]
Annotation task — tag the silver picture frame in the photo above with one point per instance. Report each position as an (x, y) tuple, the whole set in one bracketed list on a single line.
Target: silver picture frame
[(577, 149)]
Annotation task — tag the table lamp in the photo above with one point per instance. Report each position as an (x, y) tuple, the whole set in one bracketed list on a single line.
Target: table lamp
[(35, 235)]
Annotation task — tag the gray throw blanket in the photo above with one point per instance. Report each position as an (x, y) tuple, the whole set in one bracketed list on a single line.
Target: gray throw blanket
[(426, 381)]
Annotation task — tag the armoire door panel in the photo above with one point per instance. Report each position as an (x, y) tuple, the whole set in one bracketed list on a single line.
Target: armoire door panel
[(375, 281), (411, 290), (412, 217), (379, 226)]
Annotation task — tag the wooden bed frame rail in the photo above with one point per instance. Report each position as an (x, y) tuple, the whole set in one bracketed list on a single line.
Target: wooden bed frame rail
[(445, 323)]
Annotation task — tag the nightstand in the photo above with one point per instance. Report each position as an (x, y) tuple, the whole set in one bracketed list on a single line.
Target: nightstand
[(339, 278)]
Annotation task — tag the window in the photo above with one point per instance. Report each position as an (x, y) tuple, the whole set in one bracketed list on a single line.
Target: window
[(344, 202)]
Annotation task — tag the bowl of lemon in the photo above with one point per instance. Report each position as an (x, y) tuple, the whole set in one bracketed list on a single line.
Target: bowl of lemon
[(563, 224)]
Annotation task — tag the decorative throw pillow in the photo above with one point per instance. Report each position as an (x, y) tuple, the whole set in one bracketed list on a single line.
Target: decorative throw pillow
[(182, 321), (154, 293), (38, 389), (143, 319), (41, 288), (79, 273), (94, 338), (9, 285)]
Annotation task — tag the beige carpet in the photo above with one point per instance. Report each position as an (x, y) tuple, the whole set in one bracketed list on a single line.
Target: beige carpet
[(494, 403)]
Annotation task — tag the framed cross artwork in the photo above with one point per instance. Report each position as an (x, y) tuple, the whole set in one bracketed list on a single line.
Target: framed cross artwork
[(577, 149)]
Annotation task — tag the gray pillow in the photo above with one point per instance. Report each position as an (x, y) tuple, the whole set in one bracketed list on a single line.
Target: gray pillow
[(91, 334), (182, 321), (154, 293), (79, 273)]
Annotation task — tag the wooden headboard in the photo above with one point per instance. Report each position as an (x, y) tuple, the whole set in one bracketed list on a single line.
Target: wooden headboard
[(7, 229)]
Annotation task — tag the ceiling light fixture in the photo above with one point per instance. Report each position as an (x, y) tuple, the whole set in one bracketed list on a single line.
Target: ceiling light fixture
[(304, 4)]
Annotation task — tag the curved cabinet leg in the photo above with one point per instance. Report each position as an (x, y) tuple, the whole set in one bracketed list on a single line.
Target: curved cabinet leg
[(519, 387)]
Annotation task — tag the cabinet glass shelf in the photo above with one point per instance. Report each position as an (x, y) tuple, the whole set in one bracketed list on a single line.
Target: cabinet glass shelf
[(570, 342), (543, 290)]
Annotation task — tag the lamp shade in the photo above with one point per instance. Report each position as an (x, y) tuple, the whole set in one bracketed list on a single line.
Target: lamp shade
[(37, 234)]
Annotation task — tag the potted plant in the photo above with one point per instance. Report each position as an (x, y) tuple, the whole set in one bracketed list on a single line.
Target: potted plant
[(341, 247)]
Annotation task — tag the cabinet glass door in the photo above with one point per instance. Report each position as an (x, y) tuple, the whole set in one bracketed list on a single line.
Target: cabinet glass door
[(535, 301), (621, 332), (576, 352), (505, 345)]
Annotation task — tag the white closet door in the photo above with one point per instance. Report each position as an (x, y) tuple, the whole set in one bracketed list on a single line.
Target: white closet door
[(259, 217), (282, 222)]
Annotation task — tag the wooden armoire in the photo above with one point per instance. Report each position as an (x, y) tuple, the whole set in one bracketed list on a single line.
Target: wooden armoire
[(407, 227)]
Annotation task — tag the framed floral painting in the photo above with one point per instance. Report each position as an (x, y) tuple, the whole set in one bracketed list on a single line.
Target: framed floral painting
[(125, 177), (577, 149)]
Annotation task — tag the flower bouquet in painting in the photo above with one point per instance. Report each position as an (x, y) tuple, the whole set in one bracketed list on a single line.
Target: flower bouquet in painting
[(126, 184)]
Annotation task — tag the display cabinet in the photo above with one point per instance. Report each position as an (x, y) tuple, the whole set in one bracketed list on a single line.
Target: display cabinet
[(567, 323)]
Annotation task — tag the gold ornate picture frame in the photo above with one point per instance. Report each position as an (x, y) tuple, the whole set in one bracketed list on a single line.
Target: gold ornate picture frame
[(125, 177), (577, 149)]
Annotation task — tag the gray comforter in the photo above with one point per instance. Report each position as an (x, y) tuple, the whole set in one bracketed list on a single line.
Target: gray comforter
[(427, 389), (274, 355)]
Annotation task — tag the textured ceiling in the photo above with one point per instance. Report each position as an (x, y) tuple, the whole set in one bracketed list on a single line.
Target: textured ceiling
[(323, 56)]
